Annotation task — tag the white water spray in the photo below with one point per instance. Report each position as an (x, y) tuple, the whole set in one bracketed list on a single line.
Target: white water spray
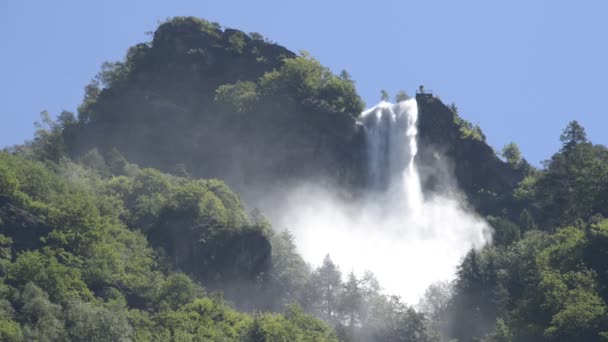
[(391, 136), (407, 240)]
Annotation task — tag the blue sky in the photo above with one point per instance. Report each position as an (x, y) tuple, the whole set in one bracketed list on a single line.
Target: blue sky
[(520, 69)]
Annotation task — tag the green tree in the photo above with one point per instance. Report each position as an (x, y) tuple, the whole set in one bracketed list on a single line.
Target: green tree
[(8, 181), (289, 272), (10, 331), (177, 290), (42, 318), (505, 231), (48, 144), (94, 160), (526, 221), (474, 306), (91, 94), (256, 36), (117, 163), (512, 154), (304, 79), (324, 290), (87, 273), (572, 185), (344, 75), (435, 305), (44, 270), (237, 42), (239, 97), (454, 109), (351, 301), (572, 135), (90, 322)]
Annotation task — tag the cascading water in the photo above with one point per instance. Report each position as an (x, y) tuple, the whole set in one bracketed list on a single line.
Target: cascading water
[(391, 145), (408, 240)]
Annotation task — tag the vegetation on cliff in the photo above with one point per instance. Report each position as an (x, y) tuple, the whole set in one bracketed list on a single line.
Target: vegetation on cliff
[(213, 101), (545, 278), (78, 261), (115, 225)]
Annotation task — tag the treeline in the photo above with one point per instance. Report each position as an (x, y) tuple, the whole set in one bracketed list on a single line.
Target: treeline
[(95, 248), (74, 268), (194, 232), (545, 278), (359, 310), (139, 249)]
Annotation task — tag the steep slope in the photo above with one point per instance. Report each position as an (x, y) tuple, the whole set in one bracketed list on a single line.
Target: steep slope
[(446, 147), (221, 103), (75, 264)]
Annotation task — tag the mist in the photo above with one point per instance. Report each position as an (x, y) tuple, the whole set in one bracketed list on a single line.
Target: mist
[(407, 238)]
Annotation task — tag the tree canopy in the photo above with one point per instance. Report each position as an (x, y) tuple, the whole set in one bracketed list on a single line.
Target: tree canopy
[(108, 232)]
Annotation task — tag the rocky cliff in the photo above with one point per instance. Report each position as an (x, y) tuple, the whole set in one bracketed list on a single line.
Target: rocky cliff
[(160, 108), (216, 103), (444, 150)]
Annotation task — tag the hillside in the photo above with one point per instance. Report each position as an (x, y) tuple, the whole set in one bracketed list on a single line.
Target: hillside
[(130, 220), (222, 103), (75, 267)]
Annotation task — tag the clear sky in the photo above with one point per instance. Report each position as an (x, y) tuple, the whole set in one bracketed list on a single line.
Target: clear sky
[(520, 69)]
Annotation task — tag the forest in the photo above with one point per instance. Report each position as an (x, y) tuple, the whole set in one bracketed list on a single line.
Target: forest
[(134, 220)]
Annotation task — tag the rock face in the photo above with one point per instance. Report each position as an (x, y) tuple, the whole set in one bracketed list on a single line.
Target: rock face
[(158, 109), (443, 151), (161, 113)]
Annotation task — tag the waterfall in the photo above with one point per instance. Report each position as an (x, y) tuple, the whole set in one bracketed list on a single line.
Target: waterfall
[(408, 239), (391, 133)]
